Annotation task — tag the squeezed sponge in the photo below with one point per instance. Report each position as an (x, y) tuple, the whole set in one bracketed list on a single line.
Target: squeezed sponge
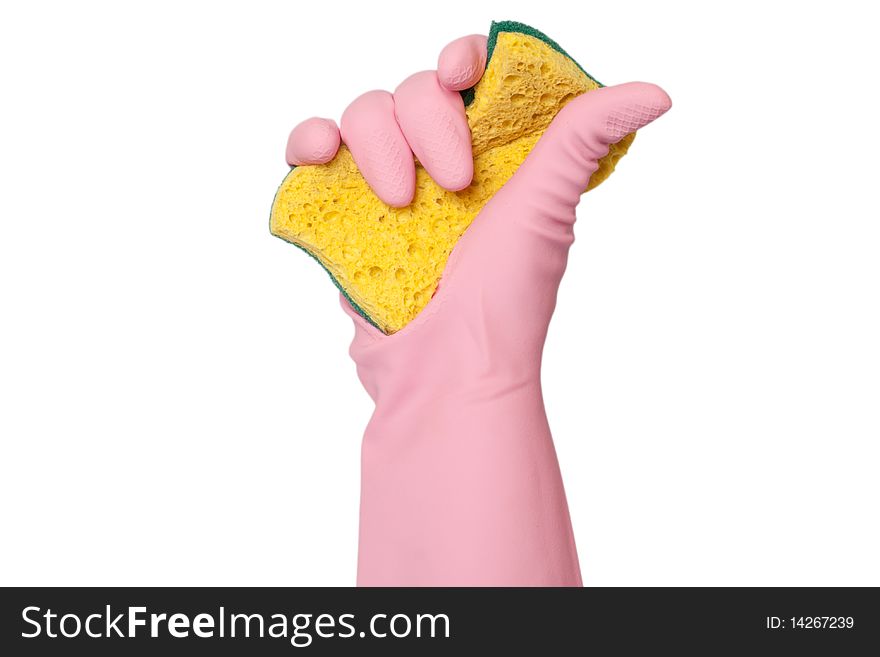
[(388, 261)]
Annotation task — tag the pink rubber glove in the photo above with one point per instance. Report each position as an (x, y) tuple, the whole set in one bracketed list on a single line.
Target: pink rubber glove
[(460, 482)]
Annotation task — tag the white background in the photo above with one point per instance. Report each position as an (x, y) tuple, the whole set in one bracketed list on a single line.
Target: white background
[(178, 404)]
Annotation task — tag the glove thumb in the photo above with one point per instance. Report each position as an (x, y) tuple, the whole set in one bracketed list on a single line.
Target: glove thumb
[(557, 171)]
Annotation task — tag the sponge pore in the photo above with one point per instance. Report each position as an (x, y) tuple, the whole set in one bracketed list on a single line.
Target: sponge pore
[(388, 261)]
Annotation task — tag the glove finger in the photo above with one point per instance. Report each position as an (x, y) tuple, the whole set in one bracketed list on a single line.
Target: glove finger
[(314, 141), (461, 64), (378, 147), (434, 123)]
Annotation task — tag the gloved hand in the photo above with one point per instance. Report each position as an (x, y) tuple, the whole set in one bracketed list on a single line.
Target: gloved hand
[(460, 482)]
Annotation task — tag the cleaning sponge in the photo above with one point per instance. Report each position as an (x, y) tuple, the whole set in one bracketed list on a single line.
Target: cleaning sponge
[(388, 261)]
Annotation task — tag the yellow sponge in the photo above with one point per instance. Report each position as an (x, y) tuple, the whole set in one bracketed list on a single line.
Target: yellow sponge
[(388, 261)]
